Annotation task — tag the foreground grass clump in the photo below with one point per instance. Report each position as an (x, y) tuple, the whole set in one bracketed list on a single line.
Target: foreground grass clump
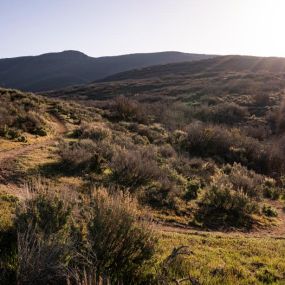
[(227, 259), (55, 239)]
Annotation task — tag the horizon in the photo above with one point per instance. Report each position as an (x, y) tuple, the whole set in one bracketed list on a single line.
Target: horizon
[(226, 27), (134, 53)]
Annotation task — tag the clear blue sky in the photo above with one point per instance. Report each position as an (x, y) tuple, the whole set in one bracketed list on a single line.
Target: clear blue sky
[(111, 27)]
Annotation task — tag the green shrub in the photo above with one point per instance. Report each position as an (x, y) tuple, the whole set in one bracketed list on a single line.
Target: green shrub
[(246, 180), (222, 206), (269, 211), (272, 193), (192, 190), (8, 239), (96, 132), (45, 214), (119, 244)]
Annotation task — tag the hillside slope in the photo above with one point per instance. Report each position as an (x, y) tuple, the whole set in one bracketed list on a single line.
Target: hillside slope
[(202, 155), (231, 63), (58, 70), (221, 76)]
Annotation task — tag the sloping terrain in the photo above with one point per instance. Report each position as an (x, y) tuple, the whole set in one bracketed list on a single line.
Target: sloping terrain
[(231, 63), (58, 70), (217, 77), (202, 155)]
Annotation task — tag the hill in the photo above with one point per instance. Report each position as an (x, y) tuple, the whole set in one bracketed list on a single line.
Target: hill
[(74, 175), (231, 63), (193, 158), (58, 70), (216, 77)]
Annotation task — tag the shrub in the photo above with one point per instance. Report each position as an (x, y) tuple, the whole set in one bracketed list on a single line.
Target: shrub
[(226, 145), (43, 240), (8, 256), (8, 239), (44, 214), (133, 168), (272, 193), (82, 155), (167, 151), (222, 206), (269, 211), (96, 132), (119, 244), (106, 237), (154, 133), (261, 100), (225, 113), (129, 110), (40, 261), (192, 190), (246, 180), (31, 123)]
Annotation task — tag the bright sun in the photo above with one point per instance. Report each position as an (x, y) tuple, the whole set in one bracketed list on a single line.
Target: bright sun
[(263, 25)]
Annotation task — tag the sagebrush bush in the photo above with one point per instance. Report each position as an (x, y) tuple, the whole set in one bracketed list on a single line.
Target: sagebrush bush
[(118, 242), (31, 123), (20, 112), (222, 206), (226, 145), (129, 110), (224, 113), (82, 155), (192, 189), (93, 131), (134, 168), (246, 180), (43, 248), (45, 214), (269, 211), (55, 235)]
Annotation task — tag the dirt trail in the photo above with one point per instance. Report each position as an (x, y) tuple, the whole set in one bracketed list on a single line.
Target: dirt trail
[(276, 232), (7, 157), (14, 153), (59, 127)]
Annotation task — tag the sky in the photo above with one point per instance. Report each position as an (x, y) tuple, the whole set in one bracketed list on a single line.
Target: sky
[(113, 27)]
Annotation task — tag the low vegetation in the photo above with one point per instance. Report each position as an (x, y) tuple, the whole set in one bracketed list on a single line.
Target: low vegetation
[(201, 152)]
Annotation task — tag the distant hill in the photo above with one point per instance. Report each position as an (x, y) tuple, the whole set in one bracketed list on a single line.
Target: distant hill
[(234, 63), (210, 76), (58, 70)]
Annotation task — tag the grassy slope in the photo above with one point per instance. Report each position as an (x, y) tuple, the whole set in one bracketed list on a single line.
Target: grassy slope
[(228, 258), (217, 258)]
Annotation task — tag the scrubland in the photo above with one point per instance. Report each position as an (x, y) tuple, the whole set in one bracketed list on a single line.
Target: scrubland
[(111, 182)]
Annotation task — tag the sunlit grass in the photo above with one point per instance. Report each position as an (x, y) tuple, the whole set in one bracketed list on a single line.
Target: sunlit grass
[(228, 258)]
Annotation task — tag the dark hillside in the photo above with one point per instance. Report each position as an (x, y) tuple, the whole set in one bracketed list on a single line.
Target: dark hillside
[(58, 70), (233, 63)]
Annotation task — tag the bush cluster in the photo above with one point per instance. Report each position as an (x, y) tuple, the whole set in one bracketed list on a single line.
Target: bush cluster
[(52, 242)]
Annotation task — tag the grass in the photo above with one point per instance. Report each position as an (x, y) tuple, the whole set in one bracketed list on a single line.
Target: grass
[(228, 259), (7, 209)]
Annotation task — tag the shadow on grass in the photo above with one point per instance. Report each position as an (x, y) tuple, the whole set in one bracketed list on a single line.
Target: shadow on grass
[(57, 169)]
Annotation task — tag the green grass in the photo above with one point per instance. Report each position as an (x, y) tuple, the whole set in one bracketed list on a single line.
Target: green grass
[(228, 259), (7, 208)]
